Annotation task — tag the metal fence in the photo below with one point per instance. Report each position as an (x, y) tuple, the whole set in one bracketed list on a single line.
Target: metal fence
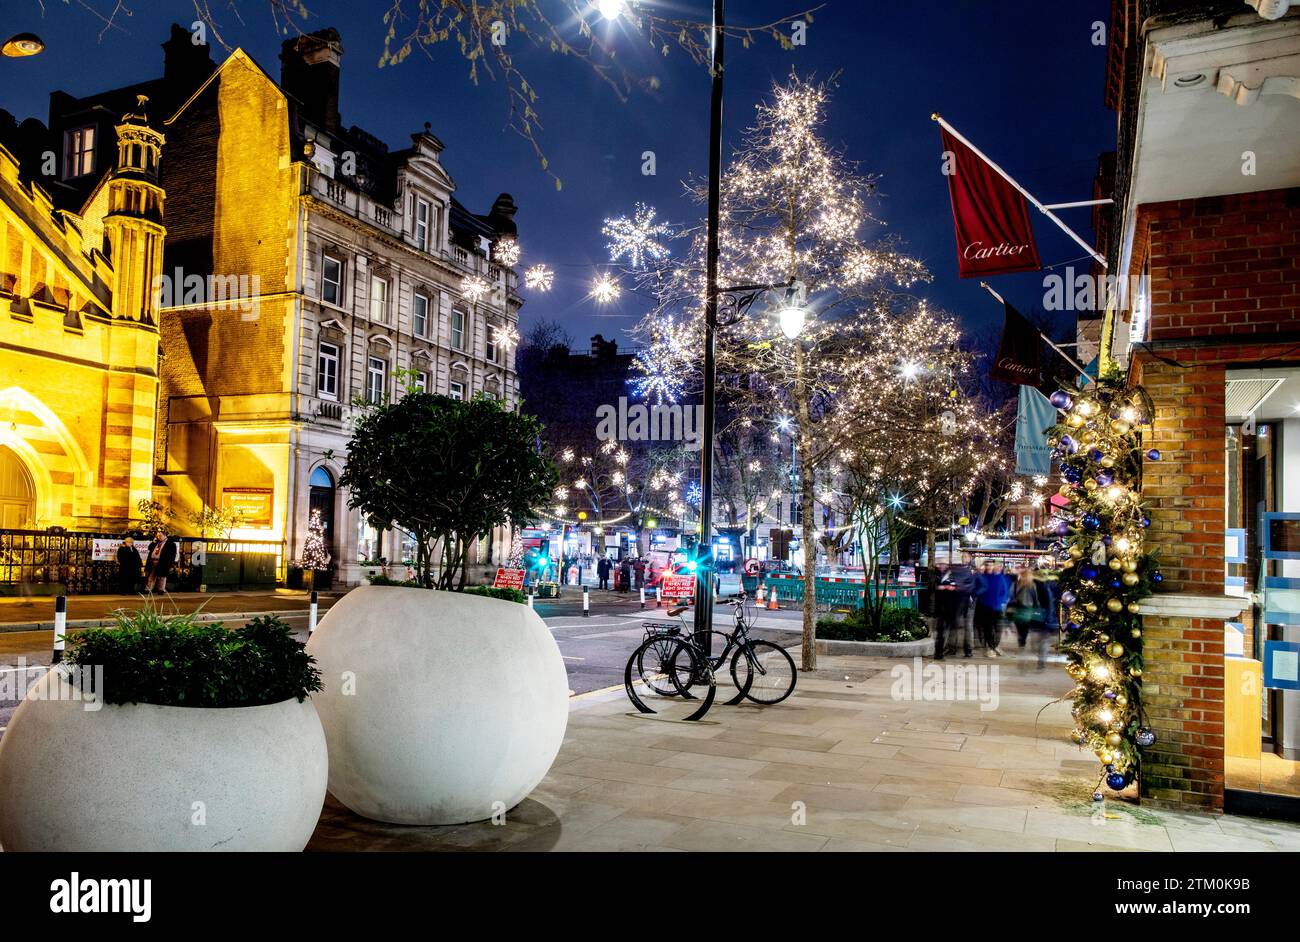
[(34, 558)]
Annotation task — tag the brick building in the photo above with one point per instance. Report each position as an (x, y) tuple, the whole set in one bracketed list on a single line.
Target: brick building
[(310, 268), (1206, 229)]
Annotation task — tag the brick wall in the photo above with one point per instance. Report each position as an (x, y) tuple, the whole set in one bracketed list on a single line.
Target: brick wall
[(1182, 693), (1222, 265)]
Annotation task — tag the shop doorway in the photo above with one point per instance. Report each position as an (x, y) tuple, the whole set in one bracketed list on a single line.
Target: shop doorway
[(321, 499)]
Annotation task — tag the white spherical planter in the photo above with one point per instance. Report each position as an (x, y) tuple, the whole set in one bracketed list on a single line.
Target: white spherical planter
[(438, 707), (141, 777)]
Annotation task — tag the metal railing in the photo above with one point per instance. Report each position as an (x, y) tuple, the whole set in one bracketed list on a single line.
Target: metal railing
[(57, 557)]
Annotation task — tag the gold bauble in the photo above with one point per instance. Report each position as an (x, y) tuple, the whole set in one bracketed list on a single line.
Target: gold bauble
[(1121, 700), (1103, 637), (1114, 563), (1076, 614), (1107, 461), (1135, 672), (1090, 485), (1077, 671), (1136, 632), (1114, 739), (1106, 756), (1074, 420), (1130, 565), (1090, 607), (1075, 552), (1115, 649), (1078, 736), (1129, 578), (1134, 608), (1119, 427), (1114, 605)]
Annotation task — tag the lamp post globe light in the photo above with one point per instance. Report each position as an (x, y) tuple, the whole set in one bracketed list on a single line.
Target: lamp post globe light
[(22, 45)]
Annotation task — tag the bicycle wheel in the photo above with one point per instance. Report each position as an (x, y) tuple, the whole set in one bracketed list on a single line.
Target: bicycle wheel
[(655, 668), (682, 654), (772, 669)]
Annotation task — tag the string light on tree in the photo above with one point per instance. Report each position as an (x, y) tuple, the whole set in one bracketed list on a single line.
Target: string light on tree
[(636, 238)]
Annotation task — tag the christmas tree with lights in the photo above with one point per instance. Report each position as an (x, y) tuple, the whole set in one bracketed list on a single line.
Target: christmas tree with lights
[(1105, 570), (315, 554)]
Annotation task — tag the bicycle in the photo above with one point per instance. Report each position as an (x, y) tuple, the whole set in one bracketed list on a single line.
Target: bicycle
[(661, 661), (769, 671)]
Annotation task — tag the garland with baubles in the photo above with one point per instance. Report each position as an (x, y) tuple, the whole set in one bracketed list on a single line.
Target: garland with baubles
[(1104, 571)]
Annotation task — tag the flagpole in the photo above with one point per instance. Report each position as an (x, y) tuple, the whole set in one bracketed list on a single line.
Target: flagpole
[(1068, 359), (1023, 192)]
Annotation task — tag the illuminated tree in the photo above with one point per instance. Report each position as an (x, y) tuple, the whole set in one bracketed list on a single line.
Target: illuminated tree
[(315, 553), (791, 208)]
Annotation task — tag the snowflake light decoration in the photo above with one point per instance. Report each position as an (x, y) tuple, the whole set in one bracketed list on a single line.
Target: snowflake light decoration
[(506, 252), (605, 288), (505, 336), (474, 287), (539, 278), (636, 238)]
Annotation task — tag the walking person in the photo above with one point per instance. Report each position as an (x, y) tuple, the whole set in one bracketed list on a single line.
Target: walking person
[(991, 596), (625, 575), (128, 567), (1029, 611), (161, 557), (951, 593), (602, 570), (639, 568)]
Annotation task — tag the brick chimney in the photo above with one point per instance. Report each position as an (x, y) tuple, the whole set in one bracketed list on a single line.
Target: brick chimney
[(186, 65), (309, 71)]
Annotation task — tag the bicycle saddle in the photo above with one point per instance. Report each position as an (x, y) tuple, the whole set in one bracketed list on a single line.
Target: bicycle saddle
[(678, 610)]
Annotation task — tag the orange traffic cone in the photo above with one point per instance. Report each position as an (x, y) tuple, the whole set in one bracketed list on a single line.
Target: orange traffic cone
[(771, 601), (760, 599)]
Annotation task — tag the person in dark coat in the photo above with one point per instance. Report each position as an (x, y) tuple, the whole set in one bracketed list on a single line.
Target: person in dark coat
[(625, 576), (128, 567), (951, 594), (160, 559), (602, 570), (639, 568)]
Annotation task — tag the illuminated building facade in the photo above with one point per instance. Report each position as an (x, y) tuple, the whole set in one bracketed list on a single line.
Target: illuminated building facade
[(81, 240), (309, 269)]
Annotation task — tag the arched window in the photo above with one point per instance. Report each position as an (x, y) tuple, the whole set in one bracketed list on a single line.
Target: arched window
[(321, 478)]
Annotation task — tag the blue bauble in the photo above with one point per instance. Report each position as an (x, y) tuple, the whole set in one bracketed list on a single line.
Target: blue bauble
[(1091, 521), (1095, 454), (1145, 737), (1154, 454), (1157, 577), (1146, 521), (1105, 478), (1109, 695), (1115, 583), (1069, 444), (1068, 597), (1062, 528), (1088, 572), (1071, 475), (1107, 539), (1071, 626), (1116, 781), (1060, 399)]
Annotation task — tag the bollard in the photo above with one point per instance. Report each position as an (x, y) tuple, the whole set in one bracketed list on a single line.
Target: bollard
[(643, 596), (586, 603), (311, 619), (659, 596), (530, 597), (60, 626)]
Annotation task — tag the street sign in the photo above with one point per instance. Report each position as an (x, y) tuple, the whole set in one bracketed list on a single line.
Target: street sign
[(679, 587), (509, 579)]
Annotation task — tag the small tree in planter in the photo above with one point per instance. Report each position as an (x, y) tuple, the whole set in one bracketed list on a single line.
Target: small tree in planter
[(183, 715), (446, 471), (315, 554)]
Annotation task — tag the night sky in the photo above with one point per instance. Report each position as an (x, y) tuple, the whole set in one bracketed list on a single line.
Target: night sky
[(1021, 79)]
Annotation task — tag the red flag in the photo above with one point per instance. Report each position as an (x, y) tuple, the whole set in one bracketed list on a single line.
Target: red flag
[(991, 216)]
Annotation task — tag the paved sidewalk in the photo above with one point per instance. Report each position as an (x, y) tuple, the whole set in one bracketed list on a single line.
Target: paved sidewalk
[(840, 766)]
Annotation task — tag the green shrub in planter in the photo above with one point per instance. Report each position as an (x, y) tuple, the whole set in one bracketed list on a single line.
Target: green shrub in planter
[(175, 660), (896, 624)]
